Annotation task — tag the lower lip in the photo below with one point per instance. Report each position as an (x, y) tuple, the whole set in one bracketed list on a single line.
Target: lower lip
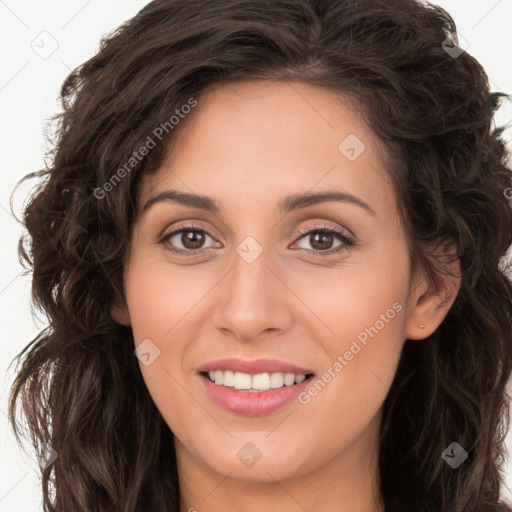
[(253, 404)]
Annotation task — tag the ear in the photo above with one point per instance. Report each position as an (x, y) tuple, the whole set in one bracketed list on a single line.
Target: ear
[(430, 302), (120, 313)]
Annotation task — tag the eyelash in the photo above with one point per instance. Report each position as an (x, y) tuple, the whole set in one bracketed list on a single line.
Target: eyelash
[(347, 241)]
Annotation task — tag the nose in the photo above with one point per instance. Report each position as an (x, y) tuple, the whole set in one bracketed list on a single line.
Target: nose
[(253, 300)]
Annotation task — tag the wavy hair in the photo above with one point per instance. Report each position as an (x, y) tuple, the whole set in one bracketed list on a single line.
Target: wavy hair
[(78, 382)]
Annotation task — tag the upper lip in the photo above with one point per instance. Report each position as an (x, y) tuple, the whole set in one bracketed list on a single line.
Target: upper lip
[(253, 367)]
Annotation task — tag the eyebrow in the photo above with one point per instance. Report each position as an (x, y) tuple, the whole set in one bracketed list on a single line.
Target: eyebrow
[(290, 203)]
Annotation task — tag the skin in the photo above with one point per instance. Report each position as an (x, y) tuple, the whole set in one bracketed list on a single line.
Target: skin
[(247, 146)]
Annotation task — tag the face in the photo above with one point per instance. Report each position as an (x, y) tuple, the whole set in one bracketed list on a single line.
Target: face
[(255, 273)]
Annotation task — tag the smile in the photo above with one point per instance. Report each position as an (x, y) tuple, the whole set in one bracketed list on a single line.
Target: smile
[(254, 383), (253, 387)]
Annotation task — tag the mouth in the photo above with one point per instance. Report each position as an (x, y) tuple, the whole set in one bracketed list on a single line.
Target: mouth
[(257, 383), (253, 387)]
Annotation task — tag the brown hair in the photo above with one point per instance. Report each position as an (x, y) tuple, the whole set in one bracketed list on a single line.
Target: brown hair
[(79, 384)]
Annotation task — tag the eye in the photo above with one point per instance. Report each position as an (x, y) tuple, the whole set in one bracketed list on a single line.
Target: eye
[(191, 238), (321, 239)]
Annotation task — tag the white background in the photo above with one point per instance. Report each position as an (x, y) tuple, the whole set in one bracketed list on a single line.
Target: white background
[(29, 86)]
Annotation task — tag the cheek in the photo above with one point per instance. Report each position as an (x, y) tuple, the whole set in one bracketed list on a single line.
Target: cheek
[(160, 297), (363, 318), (161, 305), (364, 301), (164, 302)]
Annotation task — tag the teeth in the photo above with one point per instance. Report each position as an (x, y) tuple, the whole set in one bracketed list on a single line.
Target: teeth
[(219, 377), (259, 382), (242, 380), (276, 380), (289, 379), (229, 379)]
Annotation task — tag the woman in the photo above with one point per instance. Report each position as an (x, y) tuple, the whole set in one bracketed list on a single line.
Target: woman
[(270, 247)]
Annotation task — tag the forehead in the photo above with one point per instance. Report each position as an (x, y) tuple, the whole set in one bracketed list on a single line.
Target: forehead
[(249, 138)]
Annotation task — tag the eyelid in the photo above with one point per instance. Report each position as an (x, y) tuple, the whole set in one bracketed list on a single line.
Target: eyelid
[(347, 238), (321, 226), (348, 241), (303, 231), (185, 224), (190, 226)]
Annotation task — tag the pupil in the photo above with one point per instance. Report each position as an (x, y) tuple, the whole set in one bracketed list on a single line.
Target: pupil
[(195, 238), (327, 240)]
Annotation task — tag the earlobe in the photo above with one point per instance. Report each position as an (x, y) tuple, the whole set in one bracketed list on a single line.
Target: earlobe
[(120, 314), (430, 304)]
